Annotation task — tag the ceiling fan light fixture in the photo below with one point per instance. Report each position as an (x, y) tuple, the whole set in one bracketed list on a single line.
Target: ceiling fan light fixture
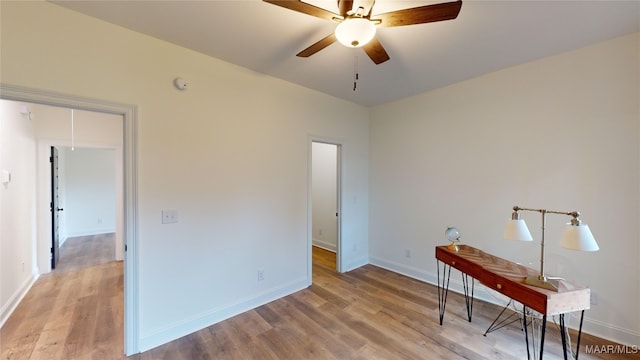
[(355, 32)]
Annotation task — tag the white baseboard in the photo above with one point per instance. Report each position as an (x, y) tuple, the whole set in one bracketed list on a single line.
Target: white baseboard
[(355, 263), (590, 326), (15, 299), (610, 332), (324, 245), (200, 321), (455, 284), (89, 232)]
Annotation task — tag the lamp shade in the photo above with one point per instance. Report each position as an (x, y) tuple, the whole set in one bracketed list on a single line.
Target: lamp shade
[(517, 230), (578, 237), (355, 32)]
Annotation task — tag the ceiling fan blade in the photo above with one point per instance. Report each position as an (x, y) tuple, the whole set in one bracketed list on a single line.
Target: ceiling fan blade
[(330, 39), (299, 6), (420, 15), (376, 52)]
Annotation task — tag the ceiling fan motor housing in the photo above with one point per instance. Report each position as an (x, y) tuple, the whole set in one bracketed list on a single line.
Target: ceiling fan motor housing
[(355, 32)]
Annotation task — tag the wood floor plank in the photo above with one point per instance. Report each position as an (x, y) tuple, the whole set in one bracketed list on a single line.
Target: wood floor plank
[(328, 340), (245, 338), (279, 341), (329, 323), (217, 344)]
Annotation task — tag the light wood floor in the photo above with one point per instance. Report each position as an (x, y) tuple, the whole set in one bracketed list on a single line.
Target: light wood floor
[(74, 312), (368, 313)]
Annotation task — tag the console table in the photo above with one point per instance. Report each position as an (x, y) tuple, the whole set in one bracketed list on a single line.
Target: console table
[(507, 278)]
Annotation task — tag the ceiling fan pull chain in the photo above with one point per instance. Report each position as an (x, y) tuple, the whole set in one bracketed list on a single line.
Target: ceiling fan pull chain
[(355, 72)]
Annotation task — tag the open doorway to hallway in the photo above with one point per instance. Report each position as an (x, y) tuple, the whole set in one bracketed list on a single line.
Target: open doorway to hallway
[(127, 223), (83, 196), (325, 184), (91, 268), (90, 148)]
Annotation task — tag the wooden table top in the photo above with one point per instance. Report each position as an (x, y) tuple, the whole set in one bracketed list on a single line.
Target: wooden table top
[(507, 277)]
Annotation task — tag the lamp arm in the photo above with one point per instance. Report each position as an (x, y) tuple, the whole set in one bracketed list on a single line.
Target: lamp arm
[(574, 221), (575, 214)]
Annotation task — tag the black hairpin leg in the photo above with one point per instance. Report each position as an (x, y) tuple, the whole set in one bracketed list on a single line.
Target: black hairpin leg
[(563, 335), (579, 334), (526, 334), (468, 300), (443, 288), (544, 328), (509, 319), (525, 326)]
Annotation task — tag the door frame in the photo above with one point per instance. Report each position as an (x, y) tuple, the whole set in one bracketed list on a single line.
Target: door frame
[(55, 208), (129, 114), (339, 171)]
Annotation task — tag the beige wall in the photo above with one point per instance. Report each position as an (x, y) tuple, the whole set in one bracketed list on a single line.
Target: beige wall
[(18, 268), (230, 154), (561, 133)]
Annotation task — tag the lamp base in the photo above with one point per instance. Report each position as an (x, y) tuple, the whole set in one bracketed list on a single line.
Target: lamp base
[(543, 282)]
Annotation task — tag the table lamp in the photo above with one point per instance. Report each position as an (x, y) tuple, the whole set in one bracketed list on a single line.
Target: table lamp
[(576, 236)]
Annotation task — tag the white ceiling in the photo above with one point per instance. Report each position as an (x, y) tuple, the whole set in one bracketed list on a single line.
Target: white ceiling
[(486, 36)]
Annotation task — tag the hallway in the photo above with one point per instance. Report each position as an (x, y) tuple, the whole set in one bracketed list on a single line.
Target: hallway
[(74, 312)]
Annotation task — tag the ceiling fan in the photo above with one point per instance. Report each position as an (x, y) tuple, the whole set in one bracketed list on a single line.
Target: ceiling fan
[(357, 25)]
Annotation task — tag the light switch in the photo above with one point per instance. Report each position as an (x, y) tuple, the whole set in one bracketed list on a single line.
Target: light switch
[(169, 216), (6, 177)]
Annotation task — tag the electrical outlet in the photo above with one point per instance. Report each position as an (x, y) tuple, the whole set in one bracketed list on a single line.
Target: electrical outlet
[(594, 298), (260, 275), (320, 232), (407, 253)]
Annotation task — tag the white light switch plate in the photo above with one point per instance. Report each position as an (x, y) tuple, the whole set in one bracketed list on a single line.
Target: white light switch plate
[(6, 177)]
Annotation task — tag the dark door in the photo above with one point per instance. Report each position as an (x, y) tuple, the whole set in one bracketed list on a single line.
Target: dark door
[(55, 238)]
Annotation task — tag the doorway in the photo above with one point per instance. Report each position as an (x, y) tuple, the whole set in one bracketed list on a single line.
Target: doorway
[(325, 203), (128, 174), (84, 200)]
